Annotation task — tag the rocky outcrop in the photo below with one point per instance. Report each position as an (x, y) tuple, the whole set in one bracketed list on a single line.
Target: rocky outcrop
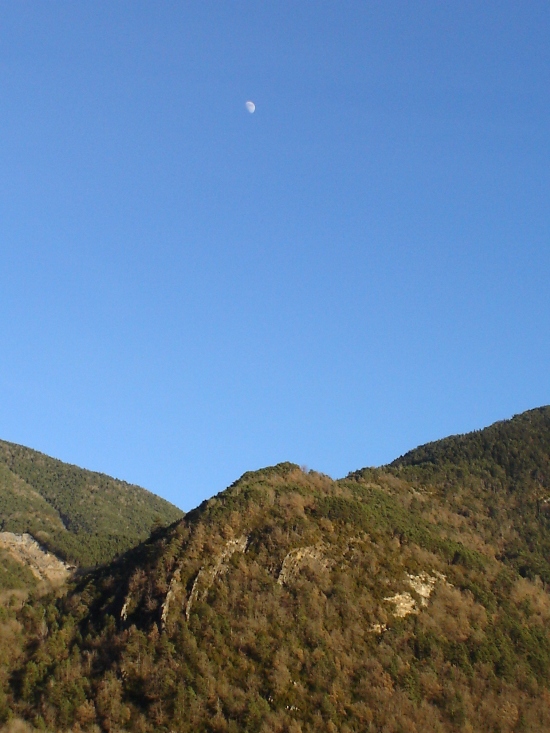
[(174, 585), (43, 564), (423, 585), (206, 576), (296, 559), (404, 604)]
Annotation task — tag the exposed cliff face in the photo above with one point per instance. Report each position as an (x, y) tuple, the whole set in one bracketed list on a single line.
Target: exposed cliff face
[(43, 564), (206, 575), (299, 558), (423, 585)]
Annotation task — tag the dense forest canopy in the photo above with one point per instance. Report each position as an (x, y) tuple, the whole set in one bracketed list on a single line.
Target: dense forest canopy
[(411, 597), (84, 517)]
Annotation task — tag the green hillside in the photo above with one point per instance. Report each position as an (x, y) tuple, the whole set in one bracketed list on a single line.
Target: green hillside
[(85, 518), (14, 575), (411, 597), (497, 481)]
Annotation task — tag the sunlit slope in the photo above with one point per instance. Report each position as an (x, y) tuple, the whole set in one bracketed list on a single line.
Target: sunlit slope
[(496, 483), (292, 602), (509, 451), (82, 516)]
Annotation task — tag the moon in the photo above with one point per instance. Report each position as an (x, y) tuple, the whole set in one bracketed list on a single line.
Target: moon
[(250, 106)]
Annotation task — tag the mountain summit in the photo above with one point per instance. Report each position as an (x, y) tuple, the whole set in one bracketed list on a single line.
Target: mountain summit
[(411, 597)]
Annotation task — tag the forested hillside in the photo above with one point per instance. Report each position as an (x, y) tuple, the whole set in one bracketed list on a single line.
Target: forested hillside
[(85, 518), (497, 483), (412, 597)]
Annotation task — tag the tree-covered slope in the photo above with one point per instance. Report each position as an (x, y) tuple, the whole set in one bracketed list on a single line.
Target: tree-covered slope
[(14, 575), (292, 602), (84, 517), (510, 451), (496, 483)]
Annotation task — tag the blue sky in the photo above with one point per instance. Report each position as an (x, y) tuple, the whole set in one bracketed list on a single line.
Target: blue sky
[(189, 291)]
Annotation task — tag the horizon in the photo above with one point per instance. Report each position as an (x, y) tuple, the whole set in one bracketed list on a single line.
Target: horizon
[(302, 467)]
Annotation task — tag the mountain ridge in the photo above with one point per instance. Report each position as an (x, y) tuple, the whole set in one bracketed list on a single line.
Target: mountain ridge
[(84, 517), (410, 597)]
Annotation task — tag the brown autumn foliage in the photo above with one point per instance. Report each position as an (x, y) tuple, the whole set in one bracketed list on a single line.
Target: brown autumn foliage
[(413, 598)]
